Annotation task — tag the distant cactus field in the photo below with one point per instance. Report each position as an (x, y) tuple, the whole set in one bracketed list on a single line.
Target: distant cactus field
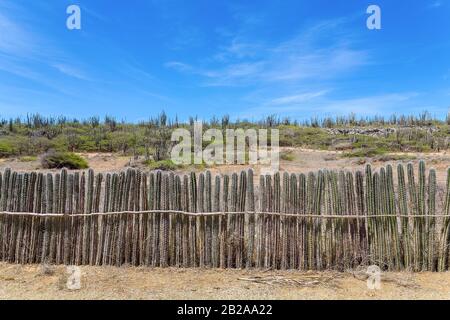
[(323, 220), (36, 135)]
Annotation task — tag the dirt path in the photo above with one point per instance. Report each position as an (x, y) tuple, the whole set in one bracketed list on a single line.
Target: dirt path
[(35, 282)]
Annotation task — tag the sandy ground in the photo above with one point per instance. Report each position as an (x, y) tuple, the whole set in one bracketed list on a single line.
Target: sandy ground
[(100, 162), (304, 160), (32, 282)]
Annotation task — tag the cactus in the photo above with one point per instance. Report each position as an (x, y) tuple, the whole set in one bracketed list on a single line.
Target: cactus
[(240, 219), (445, 233), (276, 243), (260, 222), (231, 227), (216, 222), (208, 219), (164, 236), (193, 220), (403, 210), (293, 236), (431, 220), (413, 199), (310, 222), (5, 189), (394, 230), (443, 256), (422, 221), (369, 206), (353, 224), (361, 210), (224, 224), (242, 239), (284, 221), (1, 190), (251, 219), (185, 220), (201, 219)]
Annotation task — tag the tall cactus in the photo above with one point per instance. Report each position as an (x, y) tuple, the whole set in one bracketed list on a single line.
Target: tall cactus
[(193, 220), (201, 219), (432, 185), (413, 203), (224, 224), (293, 235), (208, 219), (395, 238), (445, 233), (269, 224), (284, 221), (422, 212), (310, 223), (361, 210), (403, 210), (216, 223), (251, 219)]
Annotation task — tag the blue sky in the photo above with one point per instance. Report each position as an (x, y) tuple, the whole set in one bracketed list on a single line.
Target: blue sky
[(248, 59)]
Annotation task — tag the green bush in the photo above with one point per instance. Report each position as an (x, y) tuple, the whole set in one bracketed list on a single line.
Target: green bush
[(287, 156), (6, 150), (365, 152), (58, 160), (165, 165), (27, 159)]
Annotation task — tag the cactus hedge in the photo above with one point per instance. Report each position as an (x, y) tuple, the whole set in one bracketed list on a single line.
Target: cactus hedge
[(396, 217)]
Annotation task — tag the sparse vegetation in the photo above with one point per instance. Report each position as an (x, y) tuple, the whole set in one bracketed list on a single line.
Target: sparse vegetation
[(396, 157), (364, 152), (36, 134)]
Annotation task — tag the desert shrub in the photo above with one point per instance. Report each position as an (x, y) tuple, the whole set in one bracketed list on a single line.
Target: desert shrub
[(166, 165), (396, 157), (287, 156), (28, 159), (6, 149), (365, 152), (58, 160)]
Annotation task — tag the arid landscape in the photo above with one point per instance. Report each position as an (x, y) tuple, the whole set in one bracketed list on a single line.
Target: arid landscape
[(48, 282), (302, 161), (219, 150)]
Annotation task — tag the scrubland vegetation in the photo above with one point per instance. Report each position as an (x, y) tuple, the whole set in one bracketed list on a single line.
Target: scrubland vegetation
[(35, 135)]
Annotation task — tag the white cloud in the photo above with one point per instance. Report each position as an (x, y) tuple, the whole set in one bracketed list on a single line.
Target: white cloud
[(70, 71), (25, 53), (179, 66), (372, 105), (14, 40), (298, 98), (318, 104), (244, 62), (436, 4)]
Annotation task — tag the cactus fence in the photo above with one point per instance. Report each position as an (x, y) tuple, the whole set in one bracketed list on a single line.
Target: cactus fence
[(322, 220)]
